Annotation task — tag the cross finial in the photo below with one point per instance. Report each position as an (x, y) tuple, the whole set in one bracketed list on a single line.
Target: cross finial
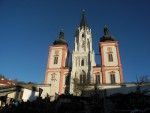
[(106, 32), (61, 35)]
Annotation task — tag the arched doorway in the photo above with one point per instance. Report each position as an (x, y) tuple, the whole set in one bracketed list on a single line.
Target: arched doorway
[(83, 77)]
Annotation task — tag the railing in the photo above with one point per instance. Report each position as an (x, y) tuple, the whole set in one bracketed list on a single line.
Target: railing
[(7, 88)]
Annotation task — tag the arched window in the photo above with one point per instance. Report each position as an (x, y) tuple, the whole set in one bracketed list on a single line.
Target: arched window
[(55, 59), (83, 35), (82, 77), (110, 57), (82, 62), (53, 76), (112, 78), (97, 79)]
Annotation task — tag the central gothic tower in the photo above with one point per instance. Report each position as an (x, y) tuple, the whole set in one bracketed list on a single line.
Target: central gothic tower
[(83, 56)]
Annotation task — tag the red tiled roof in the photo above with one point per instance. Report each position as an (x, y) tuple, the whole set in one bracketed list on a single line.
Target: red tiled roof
[(4, 81)]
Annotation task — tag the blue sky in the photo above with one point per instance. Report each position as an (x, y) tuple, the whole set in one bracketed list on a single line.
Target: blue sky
[(29, 27)]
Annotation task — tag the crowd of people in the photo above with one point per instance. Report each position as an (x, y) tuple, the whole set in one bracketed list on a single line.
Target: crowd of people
[(118, 103), (37, 106)]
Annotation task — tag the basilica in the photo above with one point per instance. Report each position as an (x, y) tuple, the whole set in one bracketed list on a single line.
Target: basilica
[(60, 73)]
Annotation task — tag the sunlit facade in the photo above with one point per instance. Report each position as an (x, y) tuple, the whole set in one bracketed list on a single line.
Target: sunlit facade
[(60, 73)]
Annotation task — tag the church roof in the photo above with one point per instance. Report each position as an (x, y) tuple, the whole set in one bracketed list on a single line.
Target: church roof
[(83, 21), (106, 36), (60, 40), (4, 81)]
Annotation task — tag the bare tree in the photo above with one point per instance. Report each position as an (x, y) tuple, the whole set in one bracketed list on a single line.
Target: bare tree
[(140, 81), (1, 76), (75, 88), (79, 88), (144, 79)]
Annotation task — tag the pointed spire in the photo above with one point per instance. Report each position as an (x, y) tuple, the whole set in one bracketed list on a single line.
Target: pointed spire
[(83, 21)]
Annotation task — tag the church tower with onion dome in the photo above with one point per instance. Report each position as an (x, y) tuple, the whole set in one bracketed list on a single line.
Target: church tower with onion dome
[(111, 67), (57, 61)]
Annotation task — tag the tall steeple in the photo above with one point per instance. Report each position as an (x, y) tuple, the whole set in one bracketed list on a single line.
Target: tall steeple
[(83, 21), (83, 56)]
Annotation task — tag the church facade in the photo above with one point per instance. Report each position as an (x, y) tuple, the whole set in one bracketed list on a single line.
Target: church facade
[(60, 74)]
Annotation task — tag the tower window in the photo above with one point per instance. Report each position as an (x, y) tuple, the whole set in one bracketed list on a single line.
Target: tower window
[(82, 78), (110, 57), (112, 78), (82, 62), (53, 76), (82, 35), (55, 59), (97, 79)]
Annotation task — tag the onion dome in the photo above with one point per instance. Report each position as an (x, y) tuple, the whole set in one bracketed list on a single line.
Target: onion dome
[(60, 40), (106, 36)]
